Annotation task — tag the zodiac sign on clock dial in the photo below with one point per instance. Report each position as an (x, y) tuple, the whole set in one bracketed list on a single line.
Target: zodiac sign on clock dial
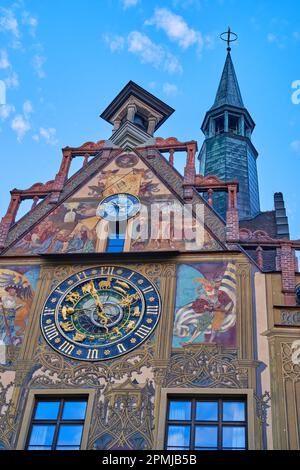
[(100, 313)]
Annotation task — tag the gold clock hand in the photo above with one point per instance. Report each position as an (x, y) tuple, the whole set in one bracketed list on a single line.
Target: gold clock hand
[(101, 312), (91, 289)]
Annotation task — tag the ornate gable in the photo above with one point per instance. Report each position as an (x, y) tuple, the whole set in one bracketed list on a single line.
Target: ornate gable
[(73, 225)]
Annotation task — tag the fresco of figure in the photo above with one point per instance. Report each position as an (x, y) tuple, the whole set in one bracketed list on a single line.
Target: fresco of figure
[(205, 304), (17, 286)]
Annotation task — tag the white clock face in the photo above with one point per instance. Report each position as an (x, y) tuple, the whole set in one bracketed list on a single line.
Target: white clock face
[(118, 207)]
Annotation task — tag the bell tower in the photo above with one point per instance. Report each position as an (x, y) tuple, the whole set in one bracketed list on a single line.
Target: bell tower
[(135, 115), (227, 151)]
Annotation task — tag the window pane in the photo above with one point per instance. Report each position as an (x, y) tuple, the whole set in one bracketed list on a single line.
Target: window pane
[(234, 437), (42, 435), (206, 436), (179, 436), (67, 448), (207, 411), (69, 435), (180, 410), (74, 410), (47, 410), (39, 448), (233, 411), (115, 244)]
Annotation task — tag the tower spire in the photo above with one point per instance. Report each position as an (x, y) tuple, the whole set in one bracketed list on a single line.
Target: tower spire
[(227, 151), (228, 91)]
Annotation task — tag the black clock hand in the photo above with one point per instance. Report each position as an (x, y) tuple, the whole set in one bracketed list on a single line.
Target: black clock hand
[(117, 207)]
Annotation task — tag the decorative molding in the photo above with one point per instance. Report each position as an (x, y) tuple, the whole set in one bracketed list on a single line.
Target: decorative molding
[(124, 417), (206, 366), (88, 146), (262, 406), (287, 317)]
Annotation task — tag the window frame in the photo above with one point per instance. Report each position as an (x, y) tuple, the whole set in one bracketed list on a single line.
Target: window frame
[(185, 393), (59, 420), (219, 423), (53, 394)]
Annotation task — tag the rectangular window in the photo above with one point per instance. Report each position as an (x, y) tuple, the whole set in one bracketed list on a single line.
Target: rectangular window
[(57, 423), (116, 237), (206, 424), (115, 243)]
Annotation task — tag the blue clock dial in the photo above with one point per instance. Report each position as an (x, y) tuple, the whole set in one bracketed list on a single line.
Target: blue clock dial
[(100, 313), (118, 207)]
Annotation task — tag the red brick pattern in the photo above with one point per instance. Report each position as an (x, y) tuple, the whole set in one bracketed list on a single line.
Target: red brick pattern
[(287, 265)]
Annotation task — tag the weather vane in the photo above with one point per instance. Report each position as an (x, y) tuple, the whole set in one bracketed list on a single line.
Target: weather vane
[(228, 36)]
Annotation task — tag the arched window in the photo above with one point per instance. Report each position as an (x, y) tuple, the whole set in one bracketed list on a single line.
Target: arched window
[(140, 121), (219, 124)]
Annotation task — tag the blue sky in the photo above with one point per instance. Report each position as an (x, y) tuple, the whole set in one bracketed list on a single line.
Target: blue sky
[(63, 61)]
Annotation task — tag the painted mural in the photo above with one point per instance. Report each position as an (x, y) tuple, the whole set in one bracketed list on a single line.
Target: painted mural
[(205, 310), (17, 287), (75, 227)]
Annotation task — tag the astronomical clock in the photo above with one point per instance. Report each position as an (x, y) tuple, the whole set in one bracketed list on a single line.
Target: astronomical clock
[(100, 313)]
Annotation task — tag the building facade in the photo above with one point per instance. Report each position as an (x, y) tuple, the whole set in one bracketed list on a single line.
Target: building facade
[(145, 309)]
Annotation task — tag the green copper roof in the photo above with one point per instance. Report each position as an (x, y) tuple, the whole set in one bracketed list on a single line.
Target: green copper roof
[(229, 91)]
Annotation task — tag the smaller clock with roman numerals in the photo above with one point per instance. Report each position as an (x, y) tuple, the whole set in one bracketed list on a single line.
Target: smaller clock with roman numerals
[(100, 313)]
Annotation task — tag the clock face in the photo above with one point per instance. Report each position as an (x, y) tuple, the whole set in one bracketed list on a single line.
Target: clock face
[(119, 207), (100, 313)]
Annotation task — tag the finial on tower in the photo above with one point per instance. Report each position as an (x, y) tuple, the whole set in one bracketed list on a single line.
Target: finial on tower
[(228, 36)]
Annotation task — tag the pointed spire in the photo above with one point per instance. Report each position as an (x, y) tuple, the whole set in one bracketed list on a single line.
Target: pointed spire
[(229, 91)]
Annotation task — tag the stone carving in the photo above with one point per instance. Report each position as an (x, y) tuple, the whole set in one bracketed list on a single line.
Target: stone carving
[(124, 396), (262, 405), (92, 145), (7, 413), (290, 318), (124, 417), (206, 366), (290, 369), (256, 236)]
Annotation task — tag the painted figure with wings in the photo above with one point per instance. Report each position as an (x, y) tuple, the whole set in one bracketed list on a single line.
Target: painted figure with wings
[(15, 300)]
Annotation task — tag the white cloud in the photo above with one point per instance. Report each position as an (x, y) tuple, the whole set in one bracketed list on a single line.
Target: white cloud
[(271, 37), (148, 51), (49, 135), (8, 22), (279, 40), (295, 145), (151, 53), (27, 108), (209, 41), (176, 28), (30, 21), (172, 64), (12, 81), (116, 43), (129, 3), (38, 62), (4, 62), (21, 126), (170, 89), (5, 111)]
